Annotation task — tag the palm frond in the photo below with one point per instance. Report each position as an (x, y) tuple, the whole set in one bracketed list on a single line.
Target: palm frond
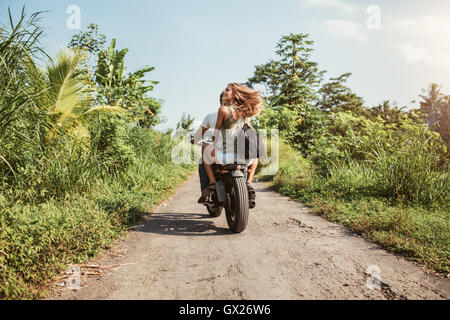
[(66, 81), (106, 108)]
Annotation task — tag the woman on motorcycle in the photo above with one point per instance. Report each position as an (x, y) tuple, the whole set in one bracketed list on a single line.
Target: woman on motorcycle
[(239, 103)]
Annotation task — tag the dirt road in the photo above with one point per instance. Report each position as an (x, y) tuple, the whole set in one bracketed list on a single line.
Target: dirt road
[(179, 252)]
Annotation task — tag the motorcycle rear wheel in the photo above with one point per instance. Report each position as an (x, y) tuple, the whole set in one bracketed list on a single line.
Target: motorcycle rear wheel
[(237, 208)]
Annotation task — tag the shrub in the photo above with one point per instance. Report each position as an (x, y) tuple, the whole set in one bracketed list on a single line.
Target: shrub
[(413, 172), (109, 137)]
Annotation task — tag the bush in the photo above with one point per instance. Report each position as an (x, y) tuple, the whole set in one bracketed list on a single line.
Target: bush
[(109, 137), (348, 137), (413, 172), (36, 242)]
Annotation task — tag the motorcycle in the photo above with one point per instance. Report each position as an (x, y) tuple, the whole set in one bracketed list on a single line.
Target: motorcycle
[(232, 195)]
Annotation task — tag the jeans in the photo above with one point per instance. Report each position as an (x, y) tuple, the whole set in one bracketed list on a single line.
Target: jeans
[(204, 180)]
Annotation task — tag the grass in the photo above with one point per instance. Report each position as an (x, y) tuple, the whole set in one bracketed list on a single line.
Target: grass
[(38, 240), (349, 196)]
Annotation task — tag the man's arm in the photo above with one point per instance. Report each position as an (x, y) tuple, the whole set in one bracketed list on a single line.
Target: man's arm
[(198, 136)]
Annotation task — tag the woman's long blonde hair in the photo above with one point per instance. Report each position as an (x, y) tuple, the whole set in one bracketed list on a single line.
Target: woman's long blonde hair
[(246, 102)]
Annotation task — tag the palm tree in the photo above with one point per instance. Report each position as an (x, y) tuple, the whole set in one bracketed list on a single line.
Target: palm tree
[(66, 82), (39, 107), (431, 103), (436, 106), (17, 47), (127, 91), (444, 120), (388, 111), (185, 124), (65, 92)]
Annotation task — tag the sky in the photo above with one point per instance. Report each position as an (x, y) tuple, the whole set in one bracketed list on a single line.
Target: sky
[(393, 49)]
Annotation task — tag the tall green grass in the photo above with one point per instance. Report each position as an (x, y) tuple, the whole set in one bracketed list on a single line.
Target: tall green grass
[(413, 172)]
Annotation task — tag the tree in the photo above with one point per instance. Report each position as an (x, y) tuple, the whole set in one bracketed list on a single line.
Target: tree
[(436, 107), (292, 78), (185, 124), (389, 112), (127, 91), (431, 103), (64, 95), (335, 96), (89, 41), (291, 83)]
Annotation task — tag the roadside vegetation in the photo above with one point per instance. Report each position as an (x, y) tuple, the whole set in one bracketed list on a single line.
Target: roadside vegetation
[(79, 160), (383, 171)]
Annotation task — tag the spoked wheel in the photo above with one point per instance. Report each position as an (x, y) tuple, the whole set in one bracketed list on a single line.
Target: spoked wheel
[(214, 210), (237, 208)]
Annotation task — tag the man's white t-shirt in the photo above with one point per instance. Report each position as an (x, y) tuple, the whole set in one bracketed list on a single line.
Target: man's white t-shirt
[(209, 122)]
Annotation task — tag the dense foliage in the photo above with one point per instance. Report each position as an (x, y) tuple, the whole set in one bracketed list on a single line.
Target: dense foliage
[(330, 125), (78, 158), (386, 154)]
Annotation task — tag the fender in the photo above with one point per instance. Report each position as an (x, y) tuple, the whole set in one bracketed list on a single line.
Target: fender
[(237, 173), (221, 194)]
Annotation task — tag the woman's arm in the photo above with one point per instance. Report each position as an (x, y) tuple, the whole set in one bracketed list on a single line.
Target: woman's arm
[(222, 114)]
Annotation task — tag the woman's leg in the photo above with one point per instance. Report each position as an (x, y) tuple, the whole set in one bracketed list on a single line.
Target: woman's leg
[(251, 171), (208, 158), (251, 174)]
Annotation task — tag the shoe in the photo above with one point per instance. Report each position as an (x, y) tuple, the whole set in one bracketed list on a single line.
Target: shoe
[(206, 193)]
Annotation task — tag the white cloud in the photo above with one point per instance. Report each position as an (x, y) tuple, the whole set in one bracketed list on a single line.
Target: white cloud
[(413, 54), (333, 4), (421, 26), (434, 58), (347, 29), (424, 41)]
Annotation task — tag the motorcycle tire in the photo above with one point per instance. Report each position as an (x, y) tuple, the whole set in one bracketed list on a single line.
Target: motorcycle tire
[(237, 208)]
